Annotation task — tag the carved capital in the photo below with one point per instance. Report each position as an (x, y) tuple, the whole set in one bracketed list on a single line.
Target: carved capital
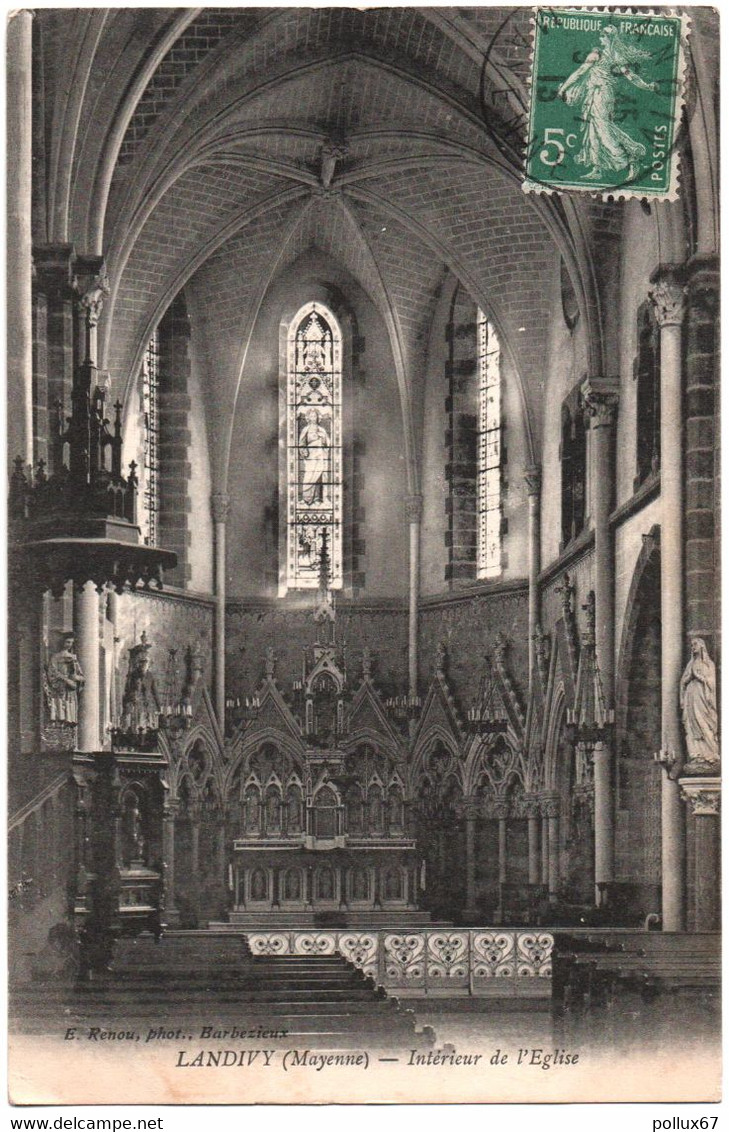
[(533, 479), (501, 809), (668, 296), (414, 508), (220, 506), (601, 398), (532, 806), (703, 795), (471, 808), (550, 805)]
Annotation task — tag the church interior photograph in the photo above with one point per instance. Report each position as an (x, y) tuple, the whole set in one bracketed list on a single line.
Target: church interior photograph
[(363, 541)]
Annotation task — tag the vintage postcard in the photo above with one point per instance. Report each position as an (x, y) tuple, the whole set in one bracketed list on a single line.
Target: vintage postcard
[(363, 562)]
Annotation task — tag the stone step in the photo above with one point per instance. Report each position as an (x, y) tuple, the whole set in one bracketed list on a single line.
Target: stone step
[(273, 921)]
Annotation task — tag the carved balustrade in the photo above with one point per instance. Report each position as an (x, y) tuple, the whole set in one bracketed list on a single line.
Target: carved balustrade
[(446, 962)]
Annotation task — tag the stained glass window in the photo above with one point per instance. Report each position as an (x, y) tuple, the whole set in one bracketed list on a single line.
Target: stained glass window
[(488, 475), (314, 448), (150, 469)]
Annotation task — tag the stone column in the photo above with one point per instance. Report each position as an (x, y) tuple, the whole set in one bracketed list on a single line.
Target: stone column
[(86, 634), (604, 817), (545, 847), (194, 813), (19, 261), (669, 304), (601, 399), (533, 478), (169, 814), (470, 815), (704, 797), (220, 502), (702, 429), (533, 839), (414, 508), (502, 813), (54, 352), (550, 807)]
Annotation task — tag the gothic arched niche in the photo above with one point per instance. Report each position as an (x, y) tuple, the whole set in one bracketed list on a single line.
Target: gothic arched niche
[(638, 737)]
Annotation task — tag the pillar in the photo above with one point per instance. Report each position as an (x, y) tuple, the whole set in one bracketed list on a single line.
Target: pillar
[(195, 855), (669, 304), (220, 507), (414, 507), (502, 813), (533, 840), (533, 478), (604, 818), (704, 797), (601, 399), (550, 808), (54, 353), (86, 633), (702, 468), (545, 848), (470, 816), (168, 859), (19, 296)]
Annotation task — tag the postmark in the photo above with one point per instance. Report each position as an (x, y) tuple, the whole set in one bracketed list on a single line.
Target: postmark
[(605, 103)]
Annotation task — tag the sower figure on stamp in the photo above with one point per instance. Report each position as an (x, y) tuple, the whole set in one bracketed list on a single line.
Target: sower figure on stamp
[(593, 88)]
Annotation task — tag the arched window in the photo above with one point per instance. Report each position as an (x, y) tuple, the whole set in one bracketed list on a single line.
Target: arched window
[(573, 457), (150, 441), (313, 475), (475, 449), (488, 452), (647, 371)]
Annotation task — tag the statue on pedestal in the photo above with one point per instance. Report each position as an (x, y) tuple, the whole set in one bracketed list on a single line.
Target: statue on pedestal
[(698, 705), (141, 703), (63, 681)]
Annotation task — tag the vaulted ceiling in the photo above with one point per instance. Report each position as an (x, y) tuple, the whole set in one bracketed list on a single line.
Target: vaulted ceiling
[(194, 138)]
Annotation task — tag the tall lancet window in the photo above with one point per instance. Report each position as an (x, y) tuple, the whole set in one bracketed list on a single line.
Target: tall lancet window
[(488, 471), (313, 447), (150, 467)]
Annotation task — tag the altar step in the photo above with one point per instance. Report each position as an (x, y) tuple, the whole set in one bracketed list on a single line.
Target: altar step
[(327, 921), (191, 979)]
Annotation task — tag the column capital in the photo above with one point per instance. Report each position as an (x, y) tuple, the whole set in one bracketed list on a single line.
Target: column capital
[(601, 397), (550, 805), (702, 794), (668, 294), (471, 807), (532, 805), (91, 283), (501, 809), (414, 508), (220, 505), (533, 479)]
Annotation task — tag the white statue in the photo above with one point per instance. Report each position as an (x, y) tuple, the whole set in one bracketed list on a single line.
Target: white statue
[(698, 704)]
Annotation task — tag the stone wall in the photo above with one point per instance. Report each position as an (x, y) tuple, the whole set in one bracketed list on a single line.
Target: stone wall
[(171, 621), (468, 626), (254, 627)]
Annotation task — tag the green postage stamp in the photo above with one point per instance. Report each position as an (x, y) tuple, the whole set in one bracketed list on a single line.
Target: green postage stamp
[(605, 102)]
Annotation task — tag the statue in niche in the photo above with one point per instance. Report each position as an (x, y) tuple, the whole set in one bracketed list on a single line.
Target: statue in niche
[(133, 831), (698, 705), (141, 703), (63, 681)]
